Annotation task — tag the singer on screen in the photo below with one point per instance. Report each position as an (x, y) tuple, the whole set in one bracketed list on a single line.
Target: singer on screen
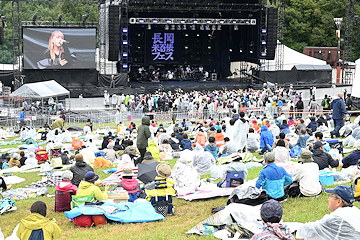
[(57, 54)]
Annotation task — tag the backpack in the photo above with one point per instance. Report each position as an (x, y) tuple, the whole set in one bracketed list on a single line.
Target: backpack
[(356, 188), (323, 103)]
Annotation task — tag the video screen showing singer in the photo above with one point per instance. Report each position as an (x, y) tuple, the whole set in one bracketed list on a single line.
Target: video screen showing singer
[(57, 54)]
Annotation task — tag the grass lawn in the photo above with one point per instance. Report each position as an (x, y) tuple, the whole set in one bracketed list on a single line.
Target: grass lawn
[(188, 214)]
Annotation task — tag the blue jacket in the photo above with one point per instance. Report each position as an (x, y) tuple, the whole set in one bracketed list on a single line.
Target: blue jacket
[(338, 107), (301, 142), (273, 179), (186, 144), (352, 158), (213, 149), (284, 128), (313, 125), (266, 137), (22, 116)]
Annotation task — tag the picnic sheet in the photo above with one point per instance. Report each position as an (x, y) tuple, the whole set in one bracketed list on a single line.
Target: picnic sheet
[(127, 212), (51, 181), (22, 169), (24, 193), (207, 190), (115, 177), (13, 179)]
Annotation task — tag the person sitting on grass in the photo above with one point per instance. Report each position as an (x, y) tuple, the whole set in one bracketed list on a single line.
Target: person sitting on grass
[(273, 178), (342, 223), (308, 176), (88, 187), (3, 186), (186, 143), (353, 157), (271, 213), (130, 184), (23, 158), (79, 169), (212, 148), (6, 163), (301, 142), (266, 140), (37, 226), (323, 159), (14, 161)]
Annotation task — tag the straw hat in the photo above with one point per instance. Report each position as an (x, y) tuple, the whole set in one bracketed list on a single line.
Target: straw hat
[(163, 170), (127, 172)]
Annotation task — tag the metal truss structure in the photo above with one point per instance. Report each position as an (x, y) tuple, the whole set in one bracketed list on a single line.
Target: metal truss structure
[(279, 63), (348, 42), (102, 38), (191, 21)]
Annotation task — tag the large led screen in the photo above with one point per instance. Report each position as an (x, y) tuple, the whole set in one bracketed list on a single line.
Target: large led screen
[(59, 48)]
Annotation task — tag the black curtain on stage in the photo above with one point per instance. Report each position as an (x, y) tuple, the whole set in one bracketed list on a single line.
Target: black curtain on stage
[(7, 77), (280, 77), (121, 79)]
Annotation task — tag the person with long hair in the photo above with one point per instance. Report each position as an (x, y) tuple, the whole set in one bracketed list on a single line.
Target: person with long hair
[(56, 54)]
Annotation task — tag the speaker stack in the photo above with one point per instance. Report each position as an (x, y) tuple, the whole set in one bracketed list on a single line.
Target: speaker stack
[(114, 33), (271, 40)]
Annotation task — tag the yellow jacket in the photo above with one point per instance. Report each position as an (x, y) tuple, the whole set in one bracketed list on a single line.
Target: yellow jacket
[(86, 188), (36, 221), (161, 192)]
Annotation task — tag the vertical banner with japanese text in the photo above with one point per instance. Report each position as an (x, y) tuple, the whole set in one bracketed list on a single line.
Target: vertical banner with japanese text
[(162, 47)]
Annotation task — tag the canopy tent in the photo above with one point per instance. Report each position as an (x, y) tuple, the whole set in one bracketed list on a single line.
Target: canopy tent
[(40, 90), (356, 83), (292, 58)]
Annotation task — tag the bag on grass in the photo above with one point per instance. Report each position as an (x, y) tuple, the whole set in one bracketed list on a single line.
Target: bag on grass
[(83, 221), (7, 205), (99, 219)]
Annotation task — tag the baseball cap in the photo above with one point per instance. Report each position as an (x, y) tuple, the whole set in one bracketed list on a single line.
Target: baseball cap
[(345, 192), (318, 144), (271, 208)]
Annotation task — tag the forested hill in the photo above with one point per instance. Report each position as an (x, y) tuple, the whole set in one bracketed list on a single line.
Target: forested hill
[(307, 22)]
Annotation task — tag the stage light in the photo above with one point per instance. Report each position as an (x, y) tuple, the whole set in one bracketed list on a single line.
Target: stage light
[(184, 27), (178, 27), (262, 65), (234, 22), (182, 21), (125, 65), (241, 50), (213, 27), (251, 51), (201, 27), (85, 17), (263, 30), (186, 35), (263, 42), (208, 21), (207, 27), (236, 27), (221, 21), (166, 27), (125, 42), (155, 21), (186, 47), (320, 51), (195, 21), (139, 47), (247, 22), (198, 35), (125, 54), (168, 21), (193, 27), (219, 27), (230, 50), (141, 20), (34, 18), (263, 54), (209, 35), (125, 30), (172, 27), (59, 18), (149, 27), (209, 47), (139, 34)]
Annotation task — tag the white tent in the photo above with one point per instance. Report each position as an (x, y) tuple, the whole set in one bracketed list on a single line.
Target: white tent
[(356, 82), (40, 90), (291, 58)]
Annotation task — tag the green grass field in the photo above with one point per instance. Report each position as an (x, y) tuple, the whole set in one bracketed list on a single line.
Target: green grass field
[(188, 214)]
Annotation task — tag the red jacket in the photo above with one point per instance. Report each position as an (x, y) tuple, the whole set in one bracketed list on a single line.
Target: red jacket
[(65, 186)]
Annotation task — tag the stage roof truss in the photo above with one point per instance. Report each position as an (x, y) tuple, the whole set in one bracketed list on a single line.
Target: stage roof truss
[(208, 7), (57, 24), (191, 21)]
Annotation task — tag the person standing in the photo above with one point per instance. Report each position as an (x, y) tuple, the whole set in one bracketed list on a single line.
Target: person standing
[(338, 111), (299, 107), (143, 135), (22, 118), (112, 83)]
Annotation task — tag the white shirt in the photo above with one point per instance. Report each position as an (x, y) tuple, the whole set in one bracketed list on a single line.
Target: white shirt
[(308, 176)]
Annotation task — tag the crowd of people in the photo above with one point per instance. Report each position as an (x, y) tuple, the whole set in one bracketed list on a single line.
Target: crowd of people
[(274, 133)]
